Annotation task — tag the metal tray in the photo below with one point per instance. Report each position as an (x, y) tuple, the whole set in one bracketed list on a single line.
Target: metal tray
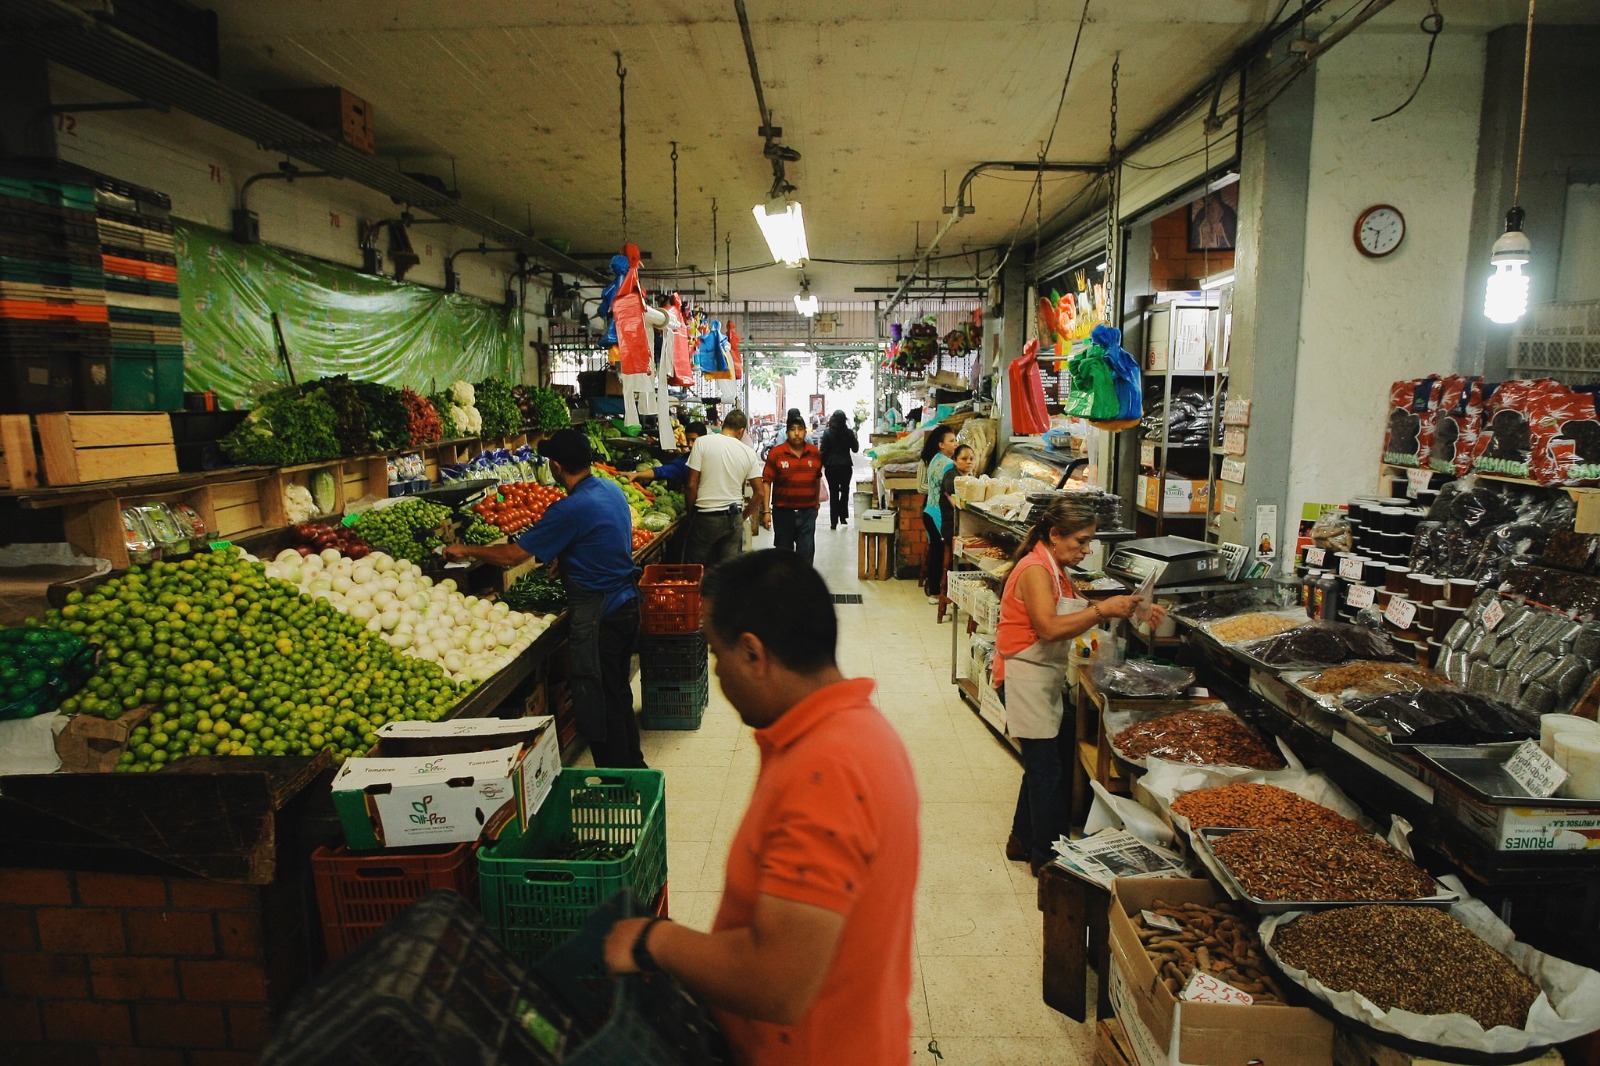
[(460, 493), (1480, 771), (1444, 899)]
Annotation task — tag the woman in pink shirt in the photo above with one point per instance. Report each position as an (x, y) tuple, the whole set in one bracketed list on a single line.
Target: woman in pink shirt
[(1040, 613)]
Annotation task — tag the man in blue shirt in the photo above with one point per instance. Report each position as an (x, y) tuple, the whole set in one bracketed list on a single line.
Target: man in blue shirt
[(676, 469), (590, 534)]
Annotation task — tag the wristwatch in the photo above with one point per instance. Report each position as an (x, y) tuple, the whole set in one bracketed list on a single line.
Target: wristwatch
[(641, 950)]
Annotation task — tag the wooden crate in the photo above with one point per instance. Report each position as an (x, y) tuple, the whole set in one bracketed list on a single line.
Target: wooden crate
[(236, 508), (92, 745), (81, 446), (19, 464), (1112, 1047)]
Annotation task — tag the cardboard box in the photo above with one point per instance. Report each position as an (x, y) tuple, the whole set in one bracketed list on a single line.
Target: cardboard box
[(445, 782), (1174, 495), (90, 744), (1165, 1031), (330, 110), (875, 522)]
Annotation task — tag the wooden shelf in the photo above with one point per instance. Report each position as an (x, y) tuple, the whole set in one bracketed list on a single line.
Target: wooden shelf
[(1174, 516)]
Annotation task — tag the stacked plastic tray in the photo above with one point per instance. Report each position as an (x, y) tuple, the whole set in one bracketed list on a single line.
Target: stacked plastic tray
[(55, 346), (134, 227), (674, 676)]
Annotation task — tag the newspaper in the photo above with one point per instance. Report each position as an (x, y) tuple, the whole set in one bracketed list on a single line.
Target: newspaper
[(1113, 853)]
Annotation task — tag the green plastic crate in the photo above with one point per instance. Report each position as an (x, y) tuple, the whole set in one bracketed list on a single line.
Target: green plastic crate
[(675, 704), (146, 377), (533, 903)]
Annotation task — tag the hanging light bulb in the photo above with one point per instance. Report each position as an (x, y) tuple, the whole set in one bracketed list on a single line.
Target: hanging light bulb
[(805, 303), (1505, 300)]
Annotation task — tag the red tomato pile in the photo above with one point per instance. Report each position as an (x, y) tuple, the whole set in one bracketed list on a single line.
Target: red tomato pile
[(518, 506), (641, 537)]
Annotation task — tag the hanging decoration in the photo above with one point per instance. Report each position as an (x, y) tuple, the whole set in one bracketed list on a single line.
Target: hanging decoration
[(917, 347), (1029, 417), (681, 353), (627, 339), (1106, 385), (712, 355)]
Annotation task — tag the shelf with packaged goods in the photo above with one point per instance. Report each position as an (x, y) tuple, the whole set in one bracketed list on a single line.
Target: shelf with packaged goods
[(1587, 498)]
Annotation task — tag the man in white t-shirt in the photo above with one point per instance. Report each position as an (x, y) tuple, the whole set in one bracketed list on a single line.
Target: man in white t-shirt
[(720, 465)]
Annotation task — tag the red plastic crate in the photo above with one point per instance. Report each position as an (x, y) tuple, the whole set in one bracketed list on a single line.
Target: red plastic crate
[(670, 608), (357, 894), (659, 907)]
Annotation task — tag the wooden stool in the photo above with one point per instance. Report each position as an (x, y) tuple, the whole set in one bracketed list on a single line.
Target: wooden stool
[(1072, 908), (874, 556)]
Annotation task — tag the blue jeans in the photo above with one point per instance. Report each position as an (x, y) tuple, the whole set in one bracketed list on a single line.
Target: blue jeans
[(1041, 814), (795, 529)]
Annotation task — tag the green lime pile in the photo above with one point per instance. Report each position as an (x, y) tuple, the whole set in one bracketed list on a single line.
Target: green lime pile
[(38, 667), (406, 530), (480, 532), (237, 663)]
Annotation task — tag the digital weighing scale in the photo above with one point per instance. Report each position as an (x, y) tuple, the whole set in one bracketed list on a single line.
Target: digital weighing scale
[(1172, 561)]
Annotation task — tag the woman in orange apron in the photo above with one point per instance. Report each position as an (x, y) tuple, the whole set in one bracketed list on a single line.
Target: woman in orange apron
[(1040, 613)]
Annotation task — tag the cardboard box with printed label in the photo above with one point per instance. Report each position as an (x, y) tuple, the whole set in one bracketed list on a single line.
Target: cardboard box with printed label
[(445, 782), (1174, 495), (1166, 1031)]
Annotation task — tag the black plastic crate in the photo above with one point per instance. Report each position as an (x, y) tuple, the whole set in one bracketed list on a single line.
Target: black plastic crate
[(140, 287), (181, 30), (50, 246), (153, 223), (54, 335), (147, 255), (38, 382), (47, 272), (190, 427), (678, 657), (431, 988)]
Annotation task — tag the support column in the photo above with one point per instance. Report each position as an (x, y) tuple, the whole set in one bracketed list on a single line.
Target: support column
[(27, 127)]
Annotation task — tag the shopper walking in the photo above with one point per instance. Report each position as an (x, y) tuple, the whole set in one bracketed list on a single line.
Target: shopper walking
[(809, 958), (839, 443), (937, 447), (794, 477), (720, 466), (590, 533), (1040, 613)]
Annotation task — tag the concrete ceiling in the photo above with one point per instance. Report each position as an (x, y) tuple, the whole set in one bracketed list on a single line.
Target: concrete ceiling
[(889, 103)]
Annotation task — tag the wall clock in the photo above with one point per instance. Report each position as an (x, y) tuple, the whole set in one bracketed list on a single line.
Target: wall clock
[(1379, 231)]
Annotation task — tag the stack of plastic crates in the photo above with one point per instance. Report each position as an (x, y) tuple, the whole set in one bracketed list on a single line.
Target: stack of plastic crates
[(55, 348), (669, 598), (597, 832), (359, 892), (675, 679), (137, 254)]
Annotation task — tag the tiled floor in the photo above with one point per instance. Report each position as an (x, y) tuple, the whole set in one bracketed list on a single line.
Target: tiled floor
[(976, 983)]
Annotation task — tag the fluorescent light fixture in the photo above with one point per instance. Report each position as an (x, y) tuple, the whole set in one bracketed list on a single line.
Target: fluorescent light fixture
[(806, 304), (1101, 268), (1223, 182), (1505, 298), (784, 227), (1216, 281)]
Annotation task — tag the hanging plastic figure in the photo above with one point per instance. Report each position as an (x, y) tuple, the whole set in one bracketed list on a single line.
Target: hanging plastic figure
[(623, 302), (681, 354), (1029, 416), (712, 355), (1125, 370), (734, 358)]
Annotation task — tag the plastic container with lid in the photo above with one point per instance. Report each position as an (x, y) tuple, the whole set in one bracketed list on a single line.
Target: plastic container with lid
[(141, 543)]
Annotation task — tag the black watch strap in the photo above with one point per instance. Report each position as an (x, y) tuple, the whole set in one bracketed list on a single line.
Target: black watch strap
[(641, 949)]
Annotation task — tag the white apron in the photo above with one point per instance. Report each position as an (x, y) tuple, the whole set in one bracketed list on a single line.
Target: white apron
[(1035, 678)]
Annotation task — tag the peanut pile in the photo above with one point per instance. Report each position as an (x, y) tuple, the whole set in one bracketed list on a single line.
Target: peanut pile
[(1371, 679), (1408, 958), (1214, 940), (1253, 806), (1252, 627), (1315, 863), (1204, 738)]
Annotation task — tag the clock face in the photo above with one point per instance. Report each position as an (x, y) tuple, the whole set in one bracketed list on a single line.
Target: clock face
[(1379, 231)]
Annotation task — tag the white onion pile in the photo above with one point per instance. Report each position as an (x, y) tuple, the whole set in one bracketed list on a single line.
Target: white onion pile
[(470, 638)]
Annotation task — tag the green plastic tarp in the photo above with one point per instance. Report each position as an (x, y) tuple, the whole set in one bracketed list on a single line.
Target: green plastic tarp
[(335, 320)]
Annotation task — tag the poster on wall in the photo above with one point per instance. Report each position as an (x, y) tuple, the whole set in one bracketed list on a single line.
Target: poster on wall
[(1214, 220), (817, 407), (1266, 544)]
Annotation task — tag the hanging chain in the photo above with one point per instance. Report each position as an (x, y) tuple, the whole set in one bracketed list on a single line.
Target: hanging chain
[(1113, 190), (674, 207), (1038, 205), (622, 135), (1522, 123)]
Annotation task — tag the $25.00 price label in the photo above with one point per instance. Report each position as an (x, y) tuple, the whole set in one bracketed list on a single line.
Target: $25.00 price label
[(1204, 988), (1401, 612)]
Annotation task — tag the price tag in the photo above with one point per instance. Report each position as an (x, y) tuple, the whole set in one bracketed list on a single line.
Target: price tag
[(221, 545), (1493, 615), (1161, 921), (1416, 481), (1316, 556), (1401, 612), (1207, 988), (1361, 596), (1350, 568), (1534, 770)]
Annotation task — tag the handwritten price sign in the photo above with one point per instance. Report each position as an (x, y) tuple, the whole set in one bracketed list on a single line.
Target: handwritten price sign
[(1204, 988)]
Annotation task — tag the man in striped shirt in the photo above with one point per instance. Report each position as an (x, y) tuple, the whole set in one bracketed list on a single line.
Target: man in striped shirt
[(794, 475)]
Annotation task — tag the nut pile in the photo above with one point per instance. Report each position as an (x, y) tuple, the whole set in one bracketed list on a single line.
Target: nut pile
[(1371, 679), (1200, 737), (1315, 863), (1252, 626), (1252, 806), (1408, 958), (1214, 940)]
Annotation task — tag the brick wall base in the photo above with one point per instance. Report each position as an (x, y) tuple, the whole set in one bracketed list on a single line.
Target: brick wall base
[(911, 539), (103, 969)]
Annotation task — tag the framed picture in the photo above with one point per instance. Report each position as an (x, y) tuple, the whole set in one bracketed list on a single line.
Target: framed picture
[(1214, 220)]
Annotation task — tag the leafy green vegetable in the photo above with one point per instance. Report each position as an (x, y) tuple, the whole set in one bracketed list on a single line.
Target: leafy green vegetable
[(448, 430), (537, 592), (501, 416), (387, 418), (286, 428), (550, 410)]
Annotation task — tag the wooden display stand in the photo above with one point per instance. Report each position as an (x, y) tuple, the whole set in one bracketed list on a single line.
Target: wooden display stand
[(875, 556)]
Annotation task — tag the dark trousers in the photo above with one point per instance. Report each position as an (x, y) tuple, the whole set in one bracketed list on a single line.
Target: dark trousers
[(933, 572), (619, 633), (838, 494), (1041, 814), (795, 529), (714, 537)]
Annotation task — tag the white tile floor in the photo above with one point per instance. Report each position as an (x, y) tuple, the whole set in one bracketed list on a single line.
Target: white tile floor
[(975, 995)]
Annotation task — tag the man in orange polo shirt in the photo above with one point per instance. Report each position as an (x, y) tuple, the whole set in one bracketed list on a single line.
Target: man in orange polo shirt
[(809, 959)]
